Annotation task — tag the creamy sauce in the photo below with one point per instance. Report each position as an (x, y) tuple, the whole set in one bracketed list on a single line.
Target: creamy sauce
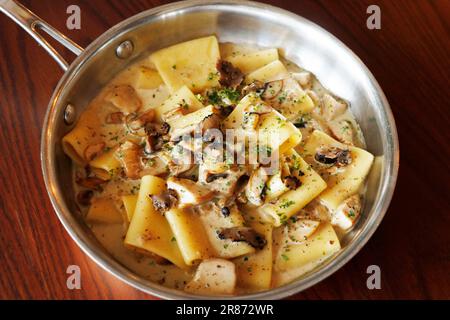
[(112, 235)]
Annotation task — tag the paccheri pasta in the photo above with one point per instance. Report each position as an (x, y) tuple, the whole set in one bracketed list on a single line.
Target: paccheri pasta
[(218, 169)]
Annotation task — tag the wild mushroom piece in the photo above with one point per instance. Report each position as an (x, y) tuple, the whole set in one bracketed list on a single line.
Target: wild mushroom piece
[(151, 145), (125, 98), (256, 86), (135, 122), (230, 76), (224, 182), (254, 190), (245, 234), (209, 127), (342, 130), (333, 156), (292, 182), (129, 155), (346, 214), (93, 150), (189, 192), (213, 277), (154, 140), (330, 108), (164, 201), (252, 115), (239, 192), (210, 122), (290, 173), (214, 176), (272, 90), (157, 129), (84, 197)]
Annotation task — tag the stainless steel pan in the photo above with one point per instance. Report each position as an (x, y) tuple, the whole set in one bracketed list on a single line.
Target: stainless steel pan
[(235, 21)]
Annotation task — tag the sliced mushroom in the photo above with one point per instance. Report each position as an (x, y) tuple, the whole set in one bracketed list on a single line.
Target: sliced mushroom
[(129, 155), (224, 183), (292, 182), (210, 177), (213, 277), (155, 133), (224, 111), (189, 192), (84, 197), (164, 201), (256, 86), (240, 189), (93, 151), (125, 98), (115, 118), (151, 145), (157, 129), (210, 122), (333, 156), (342, 130), (330, 108), (272, 90), (243, 234), (254, 191), (136, 122), (347, 213), (209, 127), (230, 76)]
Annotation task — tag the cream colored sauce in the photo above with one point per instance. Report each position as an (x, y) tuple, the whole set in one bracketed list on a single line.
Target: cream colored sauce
[(111, 235)]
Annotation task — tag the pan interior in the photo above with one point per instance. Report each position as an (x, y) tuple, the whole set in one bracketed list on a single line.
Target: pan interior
[(254, 24)]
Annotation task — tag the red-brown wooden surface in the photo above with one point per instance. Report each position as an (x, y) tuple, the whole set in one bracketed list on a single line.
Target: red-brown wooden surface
[(409, 56)]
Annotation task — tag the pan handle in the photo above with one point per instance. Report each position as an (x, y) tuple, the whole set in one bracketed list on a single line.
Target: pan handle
[(33, 24)]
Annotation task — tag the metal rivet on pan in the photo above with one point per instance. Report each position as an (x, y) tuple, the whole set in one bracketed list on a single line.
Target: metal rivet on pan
[(125, 49), (69, 114)]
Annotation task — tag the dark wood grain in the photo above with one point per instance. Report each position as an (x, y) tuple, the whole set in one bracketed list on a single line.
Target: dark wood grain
[(409, 57)]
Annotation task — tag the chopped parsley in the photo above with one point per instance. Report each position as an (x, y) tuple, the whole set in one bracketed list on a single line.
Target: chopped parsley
[(351, 213), (282, 97), (212, 75), (223, 96), (286, 204)]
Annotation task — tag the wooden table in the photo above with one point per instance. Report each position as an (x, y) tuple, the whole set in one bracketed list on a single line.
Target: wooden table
[(409, 56)]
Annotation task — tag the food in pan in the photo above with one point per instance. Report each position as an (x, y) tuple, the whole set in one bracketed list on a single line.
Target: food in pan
[(218, 169)]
